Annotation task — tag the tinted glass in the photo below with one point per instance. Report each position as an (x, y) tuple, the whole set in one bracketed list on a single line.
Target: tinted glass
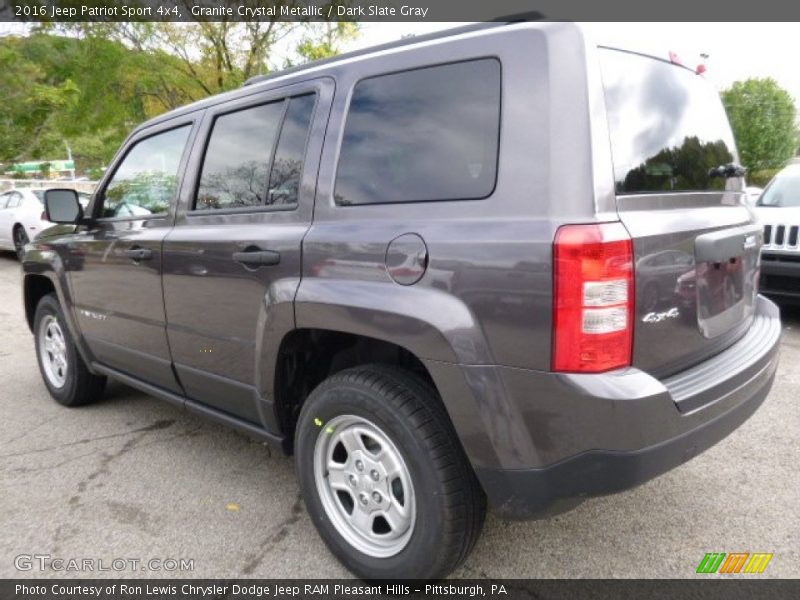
[(784, 190), (427, 134), (147, 180), (235, 168), (287, 167), (668, 127), (39, 195)]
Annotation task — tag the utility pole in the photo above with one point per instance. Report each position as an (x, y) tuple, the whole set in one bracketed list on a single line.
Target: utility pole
[(69, 158)]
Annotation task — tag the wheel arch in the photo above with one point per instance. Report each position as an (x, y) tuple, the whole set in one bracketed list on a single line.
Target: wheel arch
[(307, 356), (35, 287), (42, 277)]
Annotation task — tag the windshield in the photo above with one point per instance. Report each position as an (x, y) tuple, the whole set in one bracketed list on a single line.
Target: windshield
[(783, 191)]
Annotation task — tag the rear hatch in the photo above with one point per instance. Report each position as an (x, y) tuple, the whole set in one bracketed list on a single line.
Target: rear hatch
[(696, 248)]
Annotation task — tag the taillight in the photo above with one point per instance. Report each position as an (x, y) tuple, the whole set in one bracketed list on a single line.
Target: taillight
[(44, 216), (593, 298)]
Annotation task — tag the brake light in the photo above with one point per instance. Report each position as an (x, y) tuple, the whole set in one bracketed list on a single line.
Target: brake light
[(593, 298)]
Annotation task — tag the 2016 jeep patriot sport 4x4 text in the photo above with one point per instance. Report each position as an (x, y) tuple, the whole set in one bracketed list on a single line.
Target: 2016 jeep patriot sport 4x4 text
[(496, 263)]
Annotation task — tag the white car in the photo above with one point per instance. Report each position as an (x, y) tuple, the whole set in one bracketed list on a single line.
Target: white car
[(22, 217), (753, 194)]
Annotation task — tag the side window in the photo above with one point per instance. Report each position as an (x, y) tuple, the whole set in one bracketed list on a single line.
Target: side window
[(237, 158), (14, 200), (146, 181), (4, 200), (422, 135), (239, 169), (284, 181)]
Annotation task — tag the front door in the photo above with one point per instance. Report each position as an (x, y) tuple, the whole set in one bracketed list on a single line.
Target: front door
[(115, 264), (235, 247)]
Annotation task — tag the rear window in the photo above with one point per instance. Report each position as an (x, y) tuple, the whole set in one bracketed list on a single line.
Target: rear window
[(422, 135), (668, 126)]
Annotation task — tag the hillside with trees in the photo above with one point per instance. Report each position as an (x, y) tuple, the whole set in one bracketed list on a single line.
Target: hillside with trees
[(88, 85)]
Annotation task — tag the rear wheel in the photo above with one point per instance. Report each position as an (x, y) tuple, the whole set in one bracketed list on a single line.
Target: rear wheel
[(20, 239), (384, 477), (64, 373)]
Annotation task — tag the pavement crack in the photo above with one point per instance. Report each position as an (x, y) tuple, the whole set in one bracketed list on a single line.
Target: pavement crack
[(158, 425), (28, 432), (49, 467), (275, 535)]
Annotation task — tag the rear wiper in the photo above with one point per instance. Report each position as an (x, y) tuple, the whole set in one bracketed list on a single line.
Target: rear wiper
[(727, 171)]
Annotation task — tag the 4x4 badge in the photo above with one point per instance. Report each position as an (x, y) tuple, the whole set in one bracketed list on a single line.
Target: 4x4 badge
[(657, 317)]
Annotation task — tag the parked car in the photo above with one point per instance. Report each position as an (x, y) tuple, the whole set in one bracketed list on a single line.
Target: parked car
[(22, 217), (752, 194), (422, 269), (657, 274), (779, 209)]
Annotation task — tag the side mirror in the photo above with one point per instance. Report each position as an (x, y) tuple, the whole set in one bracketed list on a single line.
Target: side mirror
[(62, 206)]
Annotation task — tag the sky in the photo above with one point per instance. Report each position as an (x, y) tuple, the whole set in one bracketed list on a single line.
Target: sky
[(735, 51)]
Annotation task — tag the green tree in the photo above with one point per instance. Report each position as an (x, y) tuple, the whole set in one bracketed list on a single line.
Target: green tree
[(89, 84), (762, 115), (221, 55), (88, 92), (324, 40)]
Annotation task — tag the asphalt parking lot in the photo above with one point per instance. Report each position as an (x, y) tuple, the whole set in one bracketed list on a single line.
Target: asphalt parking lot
[(134, 478)]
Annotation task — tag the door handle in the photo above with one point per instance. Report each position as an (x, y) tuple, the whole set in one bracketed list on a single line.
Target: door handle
[(257, 258), (138, 254)]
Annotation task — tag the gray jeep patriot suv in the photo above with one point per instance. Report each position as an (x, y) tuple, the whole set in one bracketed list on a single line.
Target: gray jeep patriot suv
[(501, 263)]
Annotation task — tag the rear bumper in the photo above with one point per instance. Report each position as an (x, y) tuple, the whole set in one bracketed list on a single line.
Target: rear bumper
[(590, 435), (780, 276)]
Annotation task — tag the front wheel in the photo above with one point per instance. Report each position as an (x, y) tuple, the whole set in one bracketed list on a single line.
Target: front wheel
[(65, 374), (20, 239), (384, 477)]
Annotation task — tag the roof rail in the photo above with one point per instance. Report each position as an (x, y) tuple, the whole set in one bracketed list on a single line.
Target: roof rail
[(528, 16)]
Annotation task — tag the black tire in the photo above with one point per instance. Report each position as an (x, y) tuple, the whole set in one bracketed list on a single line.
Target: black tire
[(450, 504), (80, 387), (20, 239)]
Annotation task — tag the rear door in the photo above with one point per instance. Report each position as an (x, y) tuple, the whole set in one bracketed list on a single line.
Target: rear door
[(235, 248), (696, 246)]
